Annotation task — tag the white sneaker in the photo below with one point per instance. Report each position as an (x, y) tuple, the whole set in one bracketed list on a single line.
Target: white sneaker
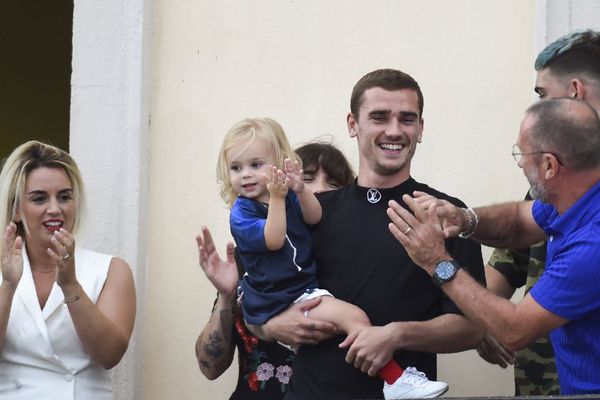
[(413, 384)]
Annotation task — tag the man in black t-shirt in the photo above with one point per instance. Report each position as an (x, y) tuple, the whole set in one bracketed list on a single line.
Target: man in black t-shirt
[(361, 262)]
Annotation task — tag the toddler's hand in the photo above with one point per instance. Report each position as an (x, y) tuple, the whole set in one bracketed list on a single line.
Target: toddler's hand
[(294, 176), (276, 182)]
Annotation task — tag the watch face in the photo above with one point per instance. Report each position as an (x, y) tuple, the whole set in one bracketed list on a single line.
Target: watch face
[(445, 270)]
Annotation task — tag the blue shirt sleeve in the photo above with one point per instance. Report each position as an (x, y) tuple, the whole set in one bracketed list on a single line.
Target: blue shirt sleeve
[(247, 223)]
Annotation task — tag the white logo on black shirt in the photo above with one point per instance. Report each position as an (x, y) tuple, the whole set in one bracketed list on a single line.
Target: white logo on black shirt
[(373, 196)]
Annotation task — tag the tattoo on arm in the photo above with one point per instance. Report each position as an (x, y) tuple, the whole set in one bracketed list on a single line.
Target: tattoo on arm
[(203, 362), (214, 345), (217, 344), (213, 348), (209, 351)]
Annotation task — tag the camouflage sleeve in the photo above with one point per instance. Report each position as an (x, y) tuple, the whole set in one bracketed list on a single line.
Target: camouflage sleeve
[(512, 264)]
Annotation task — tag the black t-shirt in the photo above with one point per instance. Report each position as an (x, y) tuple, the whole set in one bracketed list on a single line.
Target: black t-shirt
[(360, 261)]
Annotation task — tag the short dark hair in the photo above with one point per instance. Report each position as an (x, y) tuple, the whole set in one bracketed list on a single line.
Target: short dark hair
[(328, 158), (568, 127), (388, 79), (575, 53)]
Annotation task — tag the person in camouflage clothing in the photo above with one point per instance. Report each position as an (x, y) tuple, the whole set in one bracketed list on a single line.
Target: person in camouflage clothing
[(570, 66), (535, 370)]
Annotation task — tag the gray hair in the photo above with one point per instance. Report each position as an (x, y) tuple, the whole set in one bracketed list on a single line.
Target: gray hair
[(569, 128)]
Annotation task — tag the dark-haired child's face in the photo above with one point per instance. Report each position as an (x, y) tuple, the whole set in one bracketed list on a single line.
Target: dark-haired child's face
[(317, 181)]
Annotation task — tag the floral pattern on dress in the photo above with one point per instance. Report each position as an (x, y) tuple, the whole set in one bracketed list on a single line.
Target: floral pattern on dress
[(252, 381), (261, 371), (283, 374), (264, 371)]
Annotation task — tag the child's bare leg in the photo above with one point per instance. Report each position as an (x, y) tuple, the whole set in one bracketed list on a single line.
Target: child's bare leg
[(345, 316)]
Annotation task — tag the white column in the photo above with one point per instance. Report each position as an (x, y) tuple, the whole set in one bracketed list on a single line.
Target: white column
[(555, 18), (110, 123)]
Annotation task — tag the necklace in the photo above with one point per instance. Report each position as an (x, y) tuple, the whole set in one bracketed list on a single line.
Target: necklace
[(373, 196), (43, 271)]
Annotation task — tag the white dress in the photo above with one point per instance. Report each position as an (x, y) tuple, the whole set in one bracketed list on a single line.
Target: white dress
[(42, 357)]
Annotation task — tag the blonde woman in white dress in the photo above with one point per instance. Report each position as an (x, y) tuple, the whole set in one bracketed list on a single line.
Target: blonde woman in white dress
[(66, 313)]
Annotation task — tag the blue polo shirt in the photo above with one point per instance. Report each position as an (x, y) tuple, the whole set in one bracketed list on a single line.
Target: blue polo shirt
[(274, 279), (570, 288)]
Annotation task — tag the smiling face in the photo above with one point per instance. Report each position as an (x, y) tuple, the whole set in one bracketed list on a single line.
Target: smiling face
[(248, 163), (388, 129), (48, 204)]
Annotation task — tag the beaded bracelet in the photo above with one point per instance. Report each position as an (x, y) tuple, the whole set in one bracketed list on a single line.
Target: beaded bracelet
[(472, 220)]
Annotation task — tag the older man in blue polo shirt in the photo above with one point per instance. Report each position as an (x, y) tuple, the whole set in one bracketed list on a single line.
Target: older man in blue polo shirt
[(558, 148)]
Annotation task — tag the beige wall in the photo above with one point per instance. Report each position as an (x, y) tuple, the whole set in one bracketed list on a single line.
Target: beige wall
[(296, 61)]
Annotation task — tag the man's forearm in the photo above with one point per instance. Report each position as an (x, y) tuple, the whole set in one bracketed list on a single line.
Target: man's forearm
[(507, 225), (498, 316), (448, 333), (214, 346), (497, 283)]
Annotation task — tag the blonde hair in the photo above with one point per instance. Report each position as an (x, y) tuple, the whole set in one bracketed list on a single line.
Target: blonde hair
[(24, 159), (247, 131)]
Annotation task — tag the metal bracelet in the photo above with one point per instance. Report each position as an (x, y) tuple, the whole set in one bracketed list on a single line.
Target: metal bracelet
[(73, 298), (472, 220)]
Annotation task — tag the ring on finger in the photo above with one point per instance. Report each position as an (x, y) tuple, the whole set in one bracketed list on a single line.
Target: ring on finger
[(407, 230), (66, 256)]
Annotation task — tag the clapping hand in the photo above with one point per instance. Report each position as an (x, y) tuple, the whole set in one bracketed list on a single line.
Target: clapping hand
[(276, 182), (294, 176), (12, 258), (63, 255), (452, 218), (222, 274), (420, 233)]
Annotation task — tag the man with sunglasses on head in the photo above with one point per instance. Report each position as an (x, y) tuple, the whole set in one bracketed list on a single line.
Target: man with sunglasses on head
[(568, 67)]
